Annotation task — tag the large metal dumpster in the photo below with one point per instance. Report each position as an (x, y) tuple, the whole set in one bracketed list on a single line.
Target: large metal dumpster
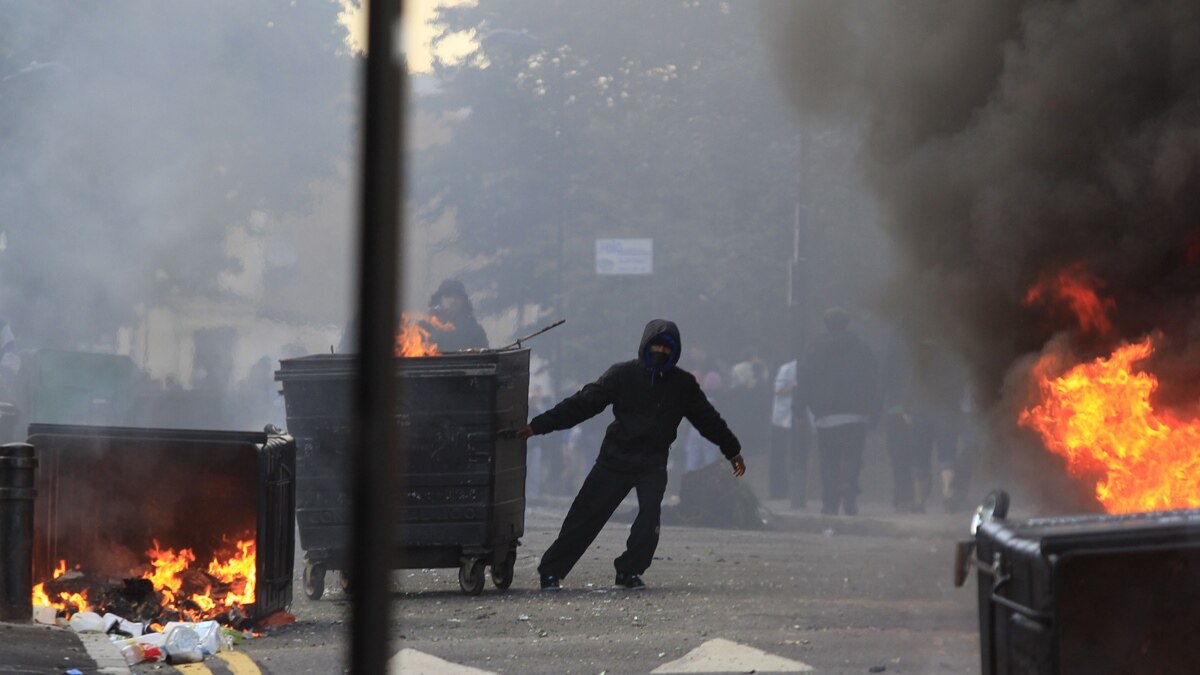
[(1087, 594), (463, 500)]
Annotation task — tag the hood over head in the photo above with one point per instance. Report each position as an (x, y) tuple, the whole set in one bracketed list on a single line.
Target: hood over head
[(662, 331), (451, 287)]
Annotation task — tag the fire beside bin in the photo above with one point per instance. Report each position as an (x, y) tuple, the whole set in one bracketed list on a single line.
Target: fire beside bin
[(17, 465), (463, 499), (1085, 594)]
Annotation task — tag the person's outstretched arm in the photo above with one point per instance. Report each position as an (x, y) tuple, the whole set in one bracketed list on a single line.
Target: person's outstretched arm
[(580, 406), (706, 420)]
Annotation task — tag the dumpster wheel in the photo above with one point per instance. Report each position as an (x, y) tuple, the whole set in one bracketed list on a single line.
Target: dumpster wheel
[(314, 580), (470, 576), (502, 576)]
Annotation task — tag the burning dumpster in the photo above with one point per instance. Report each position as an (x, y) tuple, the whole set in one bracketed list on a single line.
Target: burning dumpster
[(463, 503), (1085, 594), (159, 525)]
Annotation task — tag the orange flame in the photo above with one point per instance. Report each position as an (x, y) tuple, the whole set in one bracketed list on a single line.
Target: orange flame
[(1075, 288), (1098, 416), (414, 339), (67, 602), (238, 574), (167, 566)]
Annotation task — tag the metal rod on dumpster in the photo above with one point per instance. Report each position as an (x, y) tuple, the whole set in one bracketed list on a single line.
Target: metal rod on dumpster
[(517, 344), (381, 176), (17, 463)]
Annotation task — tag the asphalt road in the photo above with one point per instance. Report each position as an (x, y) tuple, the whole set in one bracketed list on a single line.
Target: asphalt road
[(721, 600)]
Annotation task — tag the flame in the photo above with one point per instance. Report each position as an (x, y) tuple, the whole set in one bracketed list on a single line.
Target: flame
[(67, 602), (1075, 288), (1099, 416), (204, 600), (237, 575), (240, 572), (414, 339), (167, 566)]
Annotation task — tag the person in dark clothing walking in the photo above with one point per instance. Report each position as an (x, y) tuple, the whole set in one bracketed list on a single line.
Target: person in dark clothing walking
[(650, 397), (451, 323), (838, 383), (924, 395)]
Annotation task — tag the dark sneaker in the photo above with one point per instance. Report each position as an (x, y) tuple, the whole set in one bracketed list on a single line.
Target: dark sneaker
[(550, 583), (631, 582)]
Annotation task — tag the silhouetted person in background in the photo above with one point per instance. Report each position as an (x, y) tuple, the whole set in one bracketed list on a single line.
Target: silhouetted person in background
[(898, 378), (451, 323), (650, 397), (782, 442), (838, 383), (747, 401), (925, 396)]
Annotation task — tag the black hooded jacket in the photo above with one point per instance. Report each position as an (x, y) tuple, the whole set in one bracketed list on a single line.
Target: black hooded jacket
[(839, 375), (648, 405)]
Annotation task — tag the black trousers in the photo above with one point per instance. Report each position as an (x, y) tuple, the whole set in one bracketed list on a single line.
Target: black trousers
[(841, 451), (905, 469), (598, 498), (781, 452)]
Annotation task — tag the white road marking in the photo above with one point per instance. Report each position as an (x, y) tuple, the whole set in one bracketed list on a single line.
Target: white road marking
[(724, 656), (413, 662)]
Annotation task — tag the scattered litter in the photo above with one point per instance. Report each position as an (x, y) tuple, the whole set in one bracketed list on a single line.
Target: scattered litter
[(183, 645), (87, 622), (523, 617), (44, 615), (208, 633), (136, 653)]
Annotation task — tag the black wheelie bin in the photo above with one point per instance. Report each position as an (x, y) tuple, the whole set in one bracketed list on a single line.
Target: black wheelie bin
[(1085, 594), (463, 499)]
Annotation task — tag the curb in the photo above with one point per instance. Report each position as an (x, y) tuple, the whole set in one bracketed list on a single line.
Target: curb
[(106, 655)]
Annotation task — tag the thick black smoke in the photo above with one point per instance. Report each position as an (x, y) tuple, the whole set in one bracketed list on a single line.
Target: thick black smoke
[(1010, 140)]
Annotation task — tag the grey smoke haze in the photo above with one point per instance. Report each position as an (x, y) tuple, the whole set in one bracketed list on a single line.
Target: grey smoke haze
[(151, 152), (1005, 140)]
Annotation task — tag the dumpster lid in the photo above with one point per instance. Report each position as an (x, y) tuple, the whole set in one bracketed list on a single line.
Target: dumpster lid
[(1065, 534)]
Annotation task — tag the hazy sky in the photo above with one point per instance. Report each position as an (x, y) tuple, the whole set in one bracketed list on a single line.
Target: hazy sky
[(424, 42)]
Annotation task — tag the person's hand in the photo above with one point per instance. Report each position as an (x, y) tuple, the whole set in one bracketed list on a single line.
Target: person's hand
[(524, 432), (739, 465)]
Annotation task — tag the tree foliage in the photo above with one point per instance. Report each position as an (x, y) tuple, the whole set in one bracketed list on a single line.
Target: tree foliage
[(621, 119)]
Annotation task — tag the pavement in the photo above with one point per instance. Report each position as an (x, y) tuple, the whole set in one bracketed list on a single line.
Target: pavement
[(28, 648)]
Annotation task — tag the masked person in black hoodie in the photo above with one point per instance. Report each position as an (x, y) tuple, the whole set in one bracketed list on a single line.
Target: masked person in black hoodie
[(451, 324), (650, 397)]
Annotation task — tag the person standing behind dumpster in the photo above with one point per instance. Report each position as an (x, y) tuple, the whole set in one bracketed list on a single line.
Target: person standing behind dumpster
[(838, 383), (451, 323), (650, 397)]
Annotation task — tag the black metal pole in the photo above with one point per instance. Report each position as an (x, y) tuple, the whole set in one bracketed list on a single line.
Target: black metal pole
[(375, 457), (17, 463)]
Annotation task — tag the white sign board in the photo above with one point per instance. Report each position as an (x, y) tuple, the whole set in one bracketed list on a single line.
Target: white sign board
[(624, 256)]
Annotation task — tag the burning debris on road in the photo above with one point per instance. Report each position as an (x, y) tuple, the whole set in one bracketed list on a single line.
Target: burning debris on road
[(169, 589)]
